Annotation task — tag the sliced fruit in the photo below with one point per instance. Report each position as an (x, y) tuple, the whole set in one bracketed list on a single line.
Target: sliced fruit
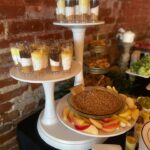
[(108, 130), (65, 113), (91, 130), (130, 102), (96, 123), (82, 127), (112, 124), (135, 114), (71, 117), (123, 120), (105, 120), (78, 121), (126, 113)]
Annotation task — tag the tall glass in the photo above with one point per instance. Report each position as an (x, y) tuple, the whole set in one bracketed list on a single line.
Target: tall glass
[(94, 10), (70, 10), (77, 11), (84, 6), (60, 10), (66, 56), (131, 141), (55, 58)]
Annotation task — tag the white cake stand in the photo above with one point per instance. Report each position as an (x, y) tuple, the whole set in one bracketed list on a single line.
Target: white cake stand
[(50, 129), (78, 30)]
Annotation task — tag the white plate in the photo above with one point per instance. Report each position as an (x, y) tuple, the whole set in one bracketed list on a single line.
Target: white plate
[(146, 134), (135, 74), (59, 109)]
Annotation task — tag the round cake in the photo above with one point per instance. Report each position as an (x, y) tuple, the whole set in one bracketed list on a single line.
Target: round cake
[(96, 101)]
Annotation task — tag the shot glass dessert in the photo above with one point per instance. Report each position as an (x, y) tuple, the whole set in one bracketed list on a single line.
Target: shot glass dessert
[(55, 59), (77, 11), (94, 11), (60, 10), (66, 56), (15, 53), (25, 57), (84, 6), (70, 10), (39, 60)]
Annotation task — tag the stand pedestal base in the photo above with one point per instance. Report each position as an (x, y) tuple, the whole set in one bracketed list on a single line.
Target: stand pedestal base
[(58, 136)]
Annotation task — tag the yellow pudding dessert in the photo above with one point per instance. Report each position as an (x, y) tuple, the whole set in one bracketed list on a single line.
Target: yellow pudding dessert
[(39, 60), (15, 55), (60, 10), (84, 6)]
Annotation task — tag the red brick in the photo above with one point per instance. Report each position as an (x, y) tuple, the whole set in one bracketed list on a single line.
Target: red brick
[(37, 2), (35, 86), (32, 2), (109, 20), (68, 34), (10, 2), (17, 92), (4, 70), (6, 43), (6, 82), (50, 36), (1, 28), (9, 11), (26, 26), (48, 25), (7, 136), (9, 117), (5, 58), (5, 107)]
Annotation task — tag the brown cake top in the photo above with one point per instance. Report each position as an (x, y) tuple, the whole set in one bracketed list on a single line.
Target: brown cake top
[(97, 101)]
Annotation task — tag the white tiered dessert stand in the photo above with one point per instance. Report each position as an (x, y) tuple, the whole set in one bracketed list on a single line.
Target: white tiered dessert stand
[(50, 125)]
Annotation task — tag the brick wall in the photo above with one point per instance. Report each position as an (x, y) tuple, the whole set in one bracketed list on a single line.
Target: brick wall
[(33, 19)]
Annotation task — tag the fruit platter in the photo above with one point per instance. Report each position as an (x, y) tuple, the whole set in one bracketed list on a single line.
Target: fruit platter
[(116, 124)]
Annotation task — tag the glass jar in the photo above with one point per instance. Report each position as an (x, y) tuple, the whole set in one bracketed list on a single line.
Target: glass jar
[(94, 10), (84, 6), (60, 10), (70, 10)]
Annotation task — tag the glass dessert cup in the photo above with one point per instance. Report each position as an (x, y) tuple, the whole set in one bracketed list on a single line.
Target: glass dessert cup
[(60, 10), (70, 10), (84, 7), (94, 10), (55, 58)]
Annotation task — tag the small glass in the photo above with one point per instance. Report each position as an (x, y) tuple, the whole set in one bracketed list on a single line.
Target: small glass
[(70, 10), (55, 58), (66, 56), (84, 6), (131, 141), (94, 10), (15, 53), (60, 10), (77, 11), (25, 57)]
